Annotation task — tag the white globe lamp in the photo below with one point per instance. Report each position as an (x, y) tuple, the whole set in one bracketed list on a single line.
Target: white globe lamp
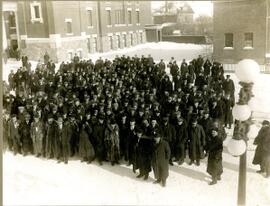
[(253, 131), (236, 147), (247, 70), (253, 104), (241, 112)]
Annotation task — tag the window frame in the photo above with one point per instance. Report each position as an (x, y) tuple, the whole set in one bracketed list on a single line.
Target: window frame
[(68, 21), (129, 16), (138, 17), (89, 10), (246, 46), (225, 41), (109, 20), (34, 19)]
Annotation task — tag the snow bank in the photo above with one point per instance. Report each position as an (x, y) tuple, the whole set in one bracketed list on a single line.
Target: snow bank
[(32, 181), (159, 50)]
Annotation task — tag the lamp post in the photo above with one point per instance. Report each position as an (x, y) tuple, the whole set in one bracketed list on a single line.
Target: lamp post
[(247, 72)]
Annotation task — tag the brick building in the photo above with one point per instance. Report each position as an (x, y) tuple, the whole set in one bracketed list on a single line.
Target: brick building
[(241, 30), (63, 28)]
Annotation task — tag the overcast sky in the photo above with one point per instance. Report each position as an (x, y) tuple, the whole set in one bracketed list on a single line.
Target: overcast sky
[(199, 7)]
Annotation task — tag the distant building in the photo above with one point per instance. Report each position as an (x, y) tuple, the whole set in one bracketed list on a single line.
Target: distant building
[(182, 15), (241, 30), (63, 28), (185, 14)]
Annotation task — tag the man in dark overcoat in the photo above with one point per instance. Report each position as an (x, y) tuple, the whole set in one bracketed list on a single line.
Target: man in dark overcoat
[(215, 148), (50, 135), (181, 139), (143, 154), (227, 110), (259, 141), (266, 150), (169, 135), (25, 133), (228, 86), (160, 160), (196, 138), (15, 139), (98, 136)]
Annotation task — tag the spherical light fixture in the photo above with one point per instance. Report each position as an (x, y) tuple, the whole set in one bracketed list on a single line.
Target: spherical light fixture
[(247, 70), (236, 147), (253, 104), (253, 131), (241, 112)]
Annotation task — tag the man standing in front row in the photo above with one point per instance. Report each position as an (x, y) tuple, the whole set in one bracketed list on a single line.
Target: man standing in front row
[(160, 160), (262, 152)]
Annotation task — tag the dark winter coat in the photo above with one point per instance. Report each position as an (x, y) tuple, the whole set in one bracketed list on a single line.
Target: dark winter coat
[(50, 135), (197, 142), (261, 148), (144, 149), (15, 136), (86, 149), (216, 112), (98, 136), (228, 86), (160, 160), (25, 133), (227, 110), (215, 148)]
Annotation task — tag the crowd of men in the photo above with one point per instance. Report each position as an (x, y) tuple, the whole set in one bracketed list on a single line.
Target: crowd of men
[(128, 108)]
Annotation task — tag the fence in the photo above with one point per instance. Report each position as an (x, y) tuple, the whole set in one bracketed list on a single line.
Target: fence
[(231, 68)]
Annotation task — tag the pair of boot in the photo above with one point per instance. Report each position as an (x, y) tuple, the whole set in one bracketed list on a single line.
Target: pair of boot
[(214, 180), (163, 182), (141, 175), (197, 162)]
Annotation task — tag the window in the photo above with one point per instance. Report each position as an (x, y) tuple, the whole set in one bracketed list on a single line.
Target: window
[(118, 41), (111, 42), (94, 44), (119, 18), (141, 37), (70, 56), (131, 40), (249, 40), (68, 26), (11, 19), (229, 40), (125, 40), (35, 9), (90, 17), (129, 17), (89, 45), (79, 52), (137, 17), (109, 18)]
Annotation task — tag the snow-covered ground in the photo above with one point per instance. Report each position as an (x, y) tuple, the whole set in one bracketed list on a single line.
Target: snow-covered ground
[(32, 181)]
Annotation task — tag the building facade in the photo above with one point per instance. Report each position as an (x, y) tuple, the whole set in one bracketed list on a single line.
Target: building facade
[(63, 28), (241, 30)]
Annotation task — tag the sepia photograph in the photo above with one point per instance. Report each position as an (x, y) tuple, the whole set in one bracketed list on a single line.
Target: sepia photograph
[(135, 103)]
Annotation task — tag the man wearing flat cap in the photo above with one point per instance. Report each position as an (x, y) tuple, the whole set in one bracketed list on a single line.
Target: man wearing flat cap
[(25, 133), (215, 148), (160, 160), (99, 136), (262, 152), (37, 135), (196, 138)]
